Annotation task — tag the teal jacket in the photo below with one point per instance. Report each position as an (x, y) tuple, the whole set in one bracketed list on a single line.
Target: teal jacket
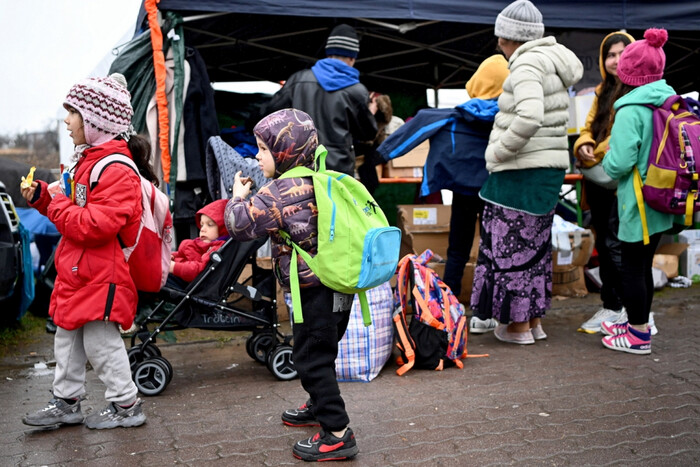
[(630, 143)]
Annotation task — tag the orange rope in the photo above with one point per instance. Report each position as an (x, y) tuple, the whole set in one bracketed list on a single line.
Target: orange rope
[(161, 98)]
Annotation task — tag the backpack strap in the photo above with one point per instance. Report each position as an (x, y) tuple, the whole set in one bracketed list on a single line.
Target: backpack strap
[(640, 204), (298, 317), (97, 170), (106, 161), (404, 340)]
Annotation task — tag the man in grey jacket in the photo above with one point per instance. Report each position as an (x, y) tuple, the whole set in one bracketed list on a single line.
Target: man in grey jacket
[(331, 93)]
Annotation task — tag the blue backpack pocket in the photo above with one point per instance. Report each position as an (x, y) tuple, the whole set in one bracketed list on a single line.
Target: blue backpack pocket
[(379, 258)]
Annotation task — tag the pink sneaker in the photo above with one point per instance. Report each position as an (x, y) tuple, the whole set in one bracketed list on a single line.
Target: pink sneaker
[(631, 341), (502, 334)]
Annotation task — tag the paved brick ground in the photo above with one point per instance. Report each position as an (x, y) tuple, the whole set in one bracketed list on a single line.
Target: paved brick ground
[(565, 401)]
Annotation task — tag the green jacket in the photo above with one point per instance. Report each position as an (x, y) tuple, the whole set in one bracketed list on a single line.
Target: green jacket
[(630, 143)]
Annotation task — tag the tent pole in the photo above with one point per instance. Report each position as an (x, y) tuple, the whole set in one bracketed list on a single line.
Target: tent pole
[(161, 97), (436, 73)]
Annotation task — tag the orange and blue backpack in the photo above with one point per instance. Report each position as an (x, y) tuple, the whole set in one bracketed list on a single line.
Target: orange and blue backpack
[(436, 337)]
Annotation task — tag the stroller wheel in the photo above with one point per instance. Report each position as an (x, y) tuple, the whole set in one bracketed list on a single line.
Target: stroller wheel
[(151, 377), (136, 355), (258, 346), (280, 363), (167, 364)]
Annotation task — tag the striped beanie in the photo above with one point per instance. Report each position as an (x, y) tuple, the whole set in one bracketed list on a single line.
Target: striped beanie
[(343, 42), (520, 21), (104, 104)]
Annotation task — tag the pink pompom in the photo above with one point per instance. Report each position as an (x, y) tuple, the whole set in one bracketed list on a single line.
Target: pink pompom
[(656, 37)]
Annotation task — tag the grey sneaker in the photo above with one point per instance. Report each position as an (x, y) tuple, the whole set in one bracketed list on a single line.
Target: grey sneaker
[(481, 326), (114, 416), (652, 325), (57, 412), (592, 326)]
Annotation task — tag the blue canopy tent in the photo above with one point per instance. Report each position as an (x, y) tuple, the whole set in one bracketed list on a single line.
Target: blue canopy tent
[(407, 46), (410, 45)]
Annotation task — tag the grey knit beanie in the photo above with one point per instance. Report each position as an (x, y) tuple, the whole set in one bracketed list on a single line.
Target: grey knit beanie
[(520, 21)]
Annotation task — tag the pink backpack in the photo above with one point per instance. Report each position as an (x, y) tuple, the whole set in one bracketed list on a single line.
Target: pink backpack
[(148, 269), (672, 174)]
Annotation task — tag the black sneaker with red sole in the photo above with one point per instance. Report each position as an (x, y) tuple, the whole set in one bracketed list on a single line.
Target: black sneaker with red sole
[(325, 447), (303, 416)]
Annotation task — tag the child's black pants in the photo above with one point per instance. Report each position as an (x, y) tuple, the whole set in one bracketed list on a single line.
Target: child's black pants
[(315, 351)]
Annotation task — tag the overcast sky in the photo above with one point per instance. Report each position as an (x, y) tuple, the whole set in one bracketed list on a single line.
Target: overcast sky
[(48, 45)]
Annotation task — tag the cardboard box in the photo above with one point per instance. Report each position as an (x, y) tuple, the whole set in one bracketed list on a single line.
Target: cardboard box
[(689, 236), (410, 165), (580, 243), (668, 257), (568, 277), (424, 226), (569, 281), (579, 106), (690, 261)]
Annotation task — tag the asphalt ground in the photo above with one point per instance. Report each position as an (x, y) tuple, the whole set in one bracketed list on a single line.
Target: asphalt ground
[(562, 402)]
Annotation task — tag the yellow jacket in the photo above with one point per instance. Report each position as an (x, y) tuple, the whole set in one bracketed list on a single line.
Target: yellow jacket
[(586, 136)]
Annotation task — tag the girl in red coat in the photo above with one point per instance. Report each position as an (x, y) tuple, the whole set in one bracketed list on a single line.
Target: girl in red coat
[(192, 256), (93, 293)]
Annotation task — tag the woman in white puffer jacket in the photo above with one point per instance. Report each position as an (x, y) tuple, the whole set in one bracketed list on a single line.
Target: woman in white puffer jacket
[(527, 158)]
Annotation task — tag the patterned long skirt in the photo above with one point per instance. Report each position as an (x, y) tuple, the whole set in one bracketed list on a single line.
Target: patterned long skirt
[(513, 275)]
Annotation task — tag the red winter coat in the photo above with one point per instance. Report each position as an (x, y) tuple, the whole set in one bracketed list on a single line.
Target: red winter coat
[(93, 281), (192, 257)]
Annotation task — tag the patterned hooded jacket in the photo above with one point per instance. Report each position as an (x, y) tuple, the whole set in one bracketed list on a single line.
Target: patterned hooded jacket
[(282, 204)]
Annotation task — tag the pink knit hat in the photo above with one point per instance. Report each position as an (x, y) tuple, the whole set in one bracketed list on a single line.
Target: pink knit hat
[(643, 61), (104, 104)]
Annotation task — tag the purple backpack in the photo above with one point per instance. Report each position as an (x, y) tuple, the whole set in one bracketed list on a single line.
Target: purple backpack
[(672, 174)]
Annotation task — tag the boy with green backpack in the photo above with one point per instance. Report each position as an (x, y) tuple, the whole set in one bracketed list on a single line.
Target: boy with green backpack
[(287, 210)]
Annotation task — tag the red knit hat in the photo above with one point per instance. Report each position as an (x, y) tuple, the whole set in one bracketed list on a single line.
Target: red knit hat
[(643, 61)]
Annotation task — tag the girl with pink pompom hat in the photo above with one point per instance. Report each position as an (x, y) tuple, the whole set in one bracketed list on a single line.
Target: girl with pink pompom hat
[(640, 69)]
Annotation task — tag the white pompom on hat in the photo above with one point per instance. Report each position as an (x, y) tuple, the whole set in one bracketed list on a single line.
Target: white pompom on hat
[(520, 21)]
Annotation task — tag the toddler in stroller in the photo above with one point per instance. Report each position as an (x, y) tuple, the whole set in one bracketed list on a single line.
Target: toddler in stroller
[(205, 290)]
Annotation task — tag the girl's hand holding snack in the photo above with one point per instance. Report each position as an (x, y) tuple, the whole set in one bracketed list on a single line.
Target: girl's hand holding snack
[(28, 185), (27, 181)]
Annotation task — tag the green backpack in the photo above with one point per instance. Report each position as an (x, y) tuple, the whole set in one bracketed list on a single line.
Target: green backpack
[(357, 249)]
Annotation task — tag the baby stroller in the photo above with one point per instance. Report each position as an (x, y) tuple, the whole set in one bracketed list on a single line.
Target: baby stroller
[(216, 299)]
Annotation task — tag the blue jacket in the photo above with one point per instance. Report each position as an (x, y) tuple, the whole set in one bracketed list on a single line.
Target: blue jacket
[(458, 139)]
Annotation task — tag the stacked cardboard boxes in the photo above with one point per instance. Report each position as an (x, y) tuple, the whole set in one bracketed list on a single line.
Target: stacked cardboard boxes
[(427, 226), (568, 259), (410, 165)]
